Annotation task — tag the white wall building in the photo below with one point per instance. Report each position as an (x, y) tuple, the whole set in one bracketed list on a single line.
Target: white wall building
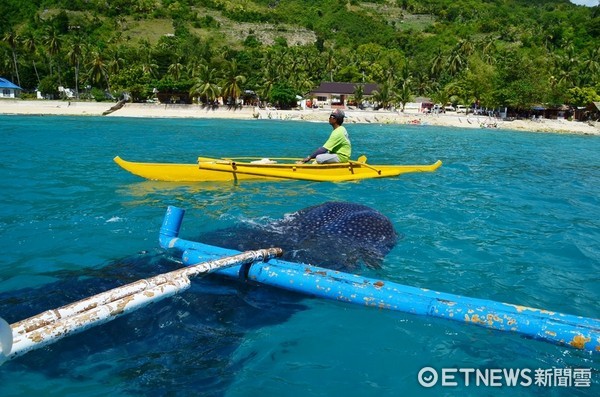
[(8, 89)]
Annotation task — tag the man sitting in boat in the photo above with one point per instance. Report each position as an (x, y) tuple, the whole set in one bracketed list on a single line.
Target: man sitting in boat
[(337, 149)]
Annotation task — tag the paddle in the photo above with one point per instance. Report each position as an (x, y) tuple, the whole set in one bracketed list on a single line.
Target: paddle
[(362, 161)]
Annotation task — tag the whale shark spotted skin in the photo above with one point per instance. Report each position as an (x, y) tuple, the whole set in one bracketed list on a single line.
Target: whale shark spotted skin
[(197, 331), (335, 235)]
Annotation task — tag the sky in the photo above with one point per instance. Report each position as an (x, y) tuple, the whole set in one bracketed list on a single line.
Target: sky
[(587, 3)]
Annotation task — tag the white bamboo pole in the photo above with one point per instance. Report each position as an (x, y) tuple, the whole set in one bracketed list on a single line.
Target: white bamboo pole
[(52, 325)]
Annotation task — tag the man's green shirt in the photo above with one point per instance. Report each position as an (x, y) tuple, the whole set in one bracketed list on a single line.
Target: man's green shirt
[(339, 143)]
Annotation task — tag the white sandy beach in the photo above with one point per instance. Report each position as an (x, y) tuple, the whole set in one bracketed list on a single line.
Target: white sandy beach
[(148, 110)]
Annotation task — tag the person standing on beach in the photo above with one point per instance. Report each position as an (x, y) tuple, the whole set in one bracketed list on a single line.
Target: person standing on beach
[(338, 148)]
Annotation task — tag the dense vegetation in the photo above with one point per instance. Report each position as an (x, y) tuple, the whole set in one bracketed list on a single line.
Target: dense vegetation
[(516, 53)]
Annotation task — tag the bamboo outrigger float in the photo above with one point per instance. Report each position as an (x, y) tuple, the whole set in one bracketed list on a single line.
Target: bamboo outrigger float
[(262, 267), (253, 168)]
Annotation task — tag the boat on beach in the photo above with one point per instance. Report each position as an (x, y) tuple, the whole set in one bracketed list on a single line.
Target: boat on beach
[(255, 168)]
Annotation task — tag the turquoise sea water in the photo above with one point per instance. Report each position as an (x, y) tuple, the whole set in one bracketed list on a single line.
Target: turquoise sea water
[(510, 216)]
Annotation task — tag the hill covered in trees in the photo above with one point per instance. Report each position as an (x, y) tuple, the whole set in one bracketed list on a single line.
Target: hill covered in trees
[(516, 53)]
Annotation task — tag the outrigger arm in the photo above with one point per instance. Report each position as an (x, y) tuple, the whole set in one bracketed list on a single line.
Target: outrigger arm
[(557, 328), (53, 325)]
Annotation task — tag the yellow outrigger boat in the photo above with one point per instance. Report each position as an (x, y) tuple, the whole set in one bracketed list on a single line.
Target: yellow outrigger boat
[(248, 168)]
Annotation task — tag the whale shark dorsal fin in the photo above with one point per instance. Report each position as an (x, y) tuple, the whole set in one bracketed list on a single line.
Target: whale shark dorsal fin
[(6, 339), (362, 159)]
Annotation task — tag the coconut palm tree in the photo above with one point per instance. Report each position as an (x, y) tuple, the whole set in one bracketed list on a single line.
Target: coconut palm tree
[(269, 79), (115, 59), (292, 64), (456, 61), (385, 96), (567, 66), (359, 94), (12, 39), (53, 43), (421, 83), (390, 67), (280, 56), (149, 66), (205, 83), (437, 63), (230, 84), (303, 82), (98, 69), (330, 63), (30, 43), (310, 62), (175, 70), (489, 49), (75, 56), (441, 96), (459, 55), (591, 65), (404, 88), (5, 61)]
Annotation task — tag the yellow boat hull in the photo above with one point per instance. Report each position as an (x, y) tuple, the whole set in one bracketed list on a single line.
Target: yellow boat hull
[(215, 170)]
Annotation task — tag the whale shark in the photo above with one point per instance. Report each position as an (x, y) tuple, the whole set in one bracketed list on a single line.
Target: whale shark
[(334, 235), (187, 342), (183, 343)]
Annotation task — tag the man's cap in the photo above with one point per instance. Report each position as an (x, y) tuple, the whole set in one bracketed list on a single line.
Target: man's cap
[(338, 114)]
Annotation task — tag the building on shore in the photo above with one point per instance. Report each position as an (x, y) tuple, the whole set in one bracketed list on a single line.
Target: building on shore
[(8, 89), (332, 94)]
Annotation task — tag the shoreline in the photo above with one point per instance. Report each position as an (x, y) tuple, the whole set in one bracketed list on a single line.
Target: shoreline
[(151, 110)]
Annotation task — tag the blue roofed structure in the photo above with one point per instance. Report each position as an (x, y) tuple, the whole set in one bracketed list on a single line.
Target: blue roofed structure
[(8, 89)]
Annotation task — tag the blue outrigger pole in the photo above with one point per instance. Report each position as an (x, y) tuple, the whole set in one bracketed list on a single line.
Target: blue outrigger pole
[(261, 266), (562, 329)]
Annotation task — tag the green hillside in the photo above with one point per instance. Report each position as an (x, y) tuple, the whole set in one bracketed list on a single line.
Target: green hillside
[(515, 53)]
